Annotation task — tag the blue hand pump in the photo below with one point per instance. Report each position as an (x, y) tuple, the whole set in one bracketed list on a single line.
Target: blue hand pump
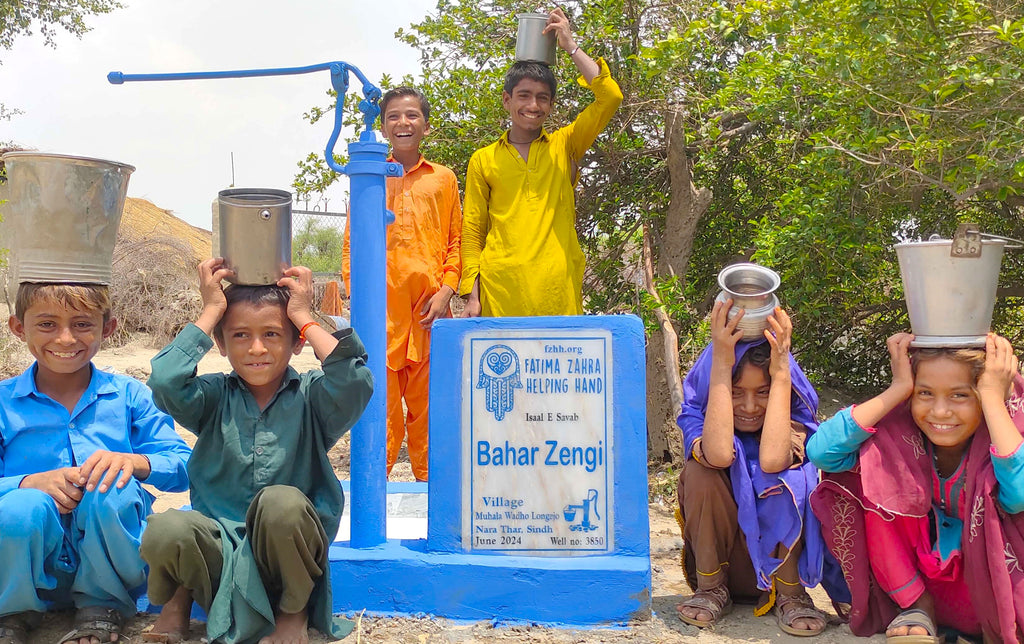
[(366, 169)]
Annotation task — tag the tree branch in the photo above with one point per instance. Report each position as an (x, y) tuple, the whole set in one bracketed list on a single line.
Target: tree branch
[(668, 332)]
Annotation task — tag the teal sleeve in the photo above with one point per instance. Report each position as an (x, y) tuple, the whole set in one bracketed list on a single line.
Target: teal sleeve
[(177, 390), (341, 392), (1009, 472), (836, 444)]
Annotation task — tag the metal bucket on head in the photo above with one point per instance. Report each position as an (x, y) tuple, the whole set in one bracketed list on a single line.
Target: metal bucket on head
[(255, 231), (950, 288), (62, 215), (532, 44), (752, 288)]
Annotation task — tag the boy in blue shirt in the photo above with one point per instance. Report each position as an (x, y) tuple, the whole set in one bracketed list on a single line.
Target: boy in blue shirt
[(266, 503), (74, 444)]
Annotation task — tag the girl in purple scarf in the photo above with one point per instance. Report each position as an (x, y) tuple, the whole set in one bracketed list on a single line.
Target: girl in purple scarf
[(925, 506), (747, 527)]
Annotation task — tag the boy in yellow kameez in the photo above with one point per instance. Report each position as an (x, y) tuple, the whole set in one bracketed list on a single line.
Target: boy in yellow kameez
[(520, 254)]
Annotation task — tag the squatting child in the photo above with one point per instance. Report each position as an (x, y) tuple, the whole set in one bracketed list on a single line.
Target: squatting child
[(743, 493), (265, 501), (520, 254), (423, 268), (75, 442), (925, 505)]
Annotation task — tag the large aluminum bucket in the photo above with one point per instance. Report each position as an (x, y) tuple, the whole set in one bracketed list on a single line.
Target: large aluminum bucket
[(532, 44), (255, 231), (62, 216), (950, 299)]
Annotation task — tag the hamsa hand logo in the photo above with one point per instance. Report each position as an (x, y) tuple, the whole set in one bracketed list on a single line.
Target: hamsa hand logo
[(499, 378)]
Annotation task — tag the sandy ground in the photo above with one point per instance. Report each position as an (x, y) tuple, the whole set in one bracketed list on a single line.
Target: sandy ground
[(669, 585)]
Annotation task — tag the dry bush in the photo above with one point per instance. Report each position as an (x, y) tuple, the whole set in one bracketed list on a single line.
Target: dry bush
[(14, 357), (154, 288)]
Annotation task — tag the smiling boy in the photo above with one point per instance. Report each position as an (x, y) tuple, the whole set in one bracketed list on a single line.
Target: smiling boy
[(423, 268), (75, 442), (266, 504), (520, 253)]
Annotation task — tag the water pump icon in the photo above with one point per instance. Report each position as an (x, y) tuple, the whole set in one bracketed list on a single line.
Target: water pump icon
[(587, 506)]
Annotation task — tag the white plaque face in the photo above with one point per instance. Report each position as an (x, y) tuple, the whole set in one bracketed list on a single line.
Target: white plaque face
[(537, 426)]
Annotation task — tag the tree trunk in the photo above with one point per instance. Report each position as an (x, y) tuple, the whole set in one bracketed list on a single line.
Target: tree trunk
[(687, 205)]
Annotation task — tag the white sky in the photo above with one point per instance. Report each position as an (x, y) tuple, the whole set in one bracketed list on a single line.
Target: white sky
[(180, 135)]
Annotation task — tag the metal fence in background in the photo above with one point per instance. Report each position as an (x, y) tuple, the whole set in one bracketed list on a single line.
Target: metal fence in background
[(326, 229)]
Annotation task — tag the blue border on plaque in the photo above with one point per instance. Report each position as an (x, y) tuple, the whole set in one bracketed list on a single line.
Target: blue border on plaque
[(629, 452)]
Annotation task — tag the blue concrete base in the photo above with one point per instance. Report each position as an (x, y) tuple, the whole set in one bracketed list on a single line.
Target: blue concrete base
[(402, 578)]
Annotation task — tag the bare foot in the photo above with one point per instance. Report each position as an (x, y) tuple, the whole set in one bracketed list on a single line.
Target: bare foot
[(171, 626), (290, 628)]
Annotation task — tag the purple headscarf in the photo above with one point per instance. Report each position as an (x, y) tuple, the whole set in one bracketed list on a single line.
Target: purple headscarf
[(773, 508)]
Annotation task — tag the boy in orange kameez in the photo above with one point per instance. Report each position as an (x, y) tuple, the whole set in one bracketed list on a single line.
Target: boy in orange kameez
[(423, 268)]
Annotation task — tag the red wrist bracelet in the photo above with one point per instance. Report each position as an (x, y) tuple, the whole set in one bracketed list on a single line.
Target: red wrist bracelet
[(302, 331)]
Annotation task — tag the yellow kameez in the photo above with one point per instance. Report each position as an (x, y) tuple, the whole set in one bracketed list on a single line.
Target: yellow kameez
[(519, 218)]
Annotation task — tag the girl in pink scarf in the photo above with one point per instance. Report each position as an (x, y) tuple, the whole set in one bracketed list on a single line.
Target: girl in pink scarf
[(924, 508)]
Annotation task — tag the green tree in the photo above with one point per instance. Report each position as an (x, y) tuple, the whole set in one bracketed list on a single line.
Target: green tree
[(807, 135), (20, 17), (318, 247)]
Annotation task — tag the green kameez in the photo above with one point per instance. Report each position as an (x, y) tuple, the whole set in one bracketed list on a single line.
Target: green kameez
[(241, 449)]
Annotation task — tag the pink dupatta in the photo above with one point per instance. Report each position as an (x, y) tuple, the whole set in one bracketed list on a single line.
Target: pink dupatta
[(894, 477)]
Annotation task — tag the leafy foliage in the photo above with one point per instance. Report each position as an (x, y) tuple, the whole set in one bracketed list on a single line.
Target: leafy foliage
[(317, 247), (19, 17), (826, 130)]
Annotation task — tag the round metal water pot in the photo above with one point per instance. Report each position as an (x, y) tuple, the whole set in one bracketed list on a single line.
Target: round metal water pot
[(531, 43), (255, 230), (949, 298), (752, 288), (62, 216)]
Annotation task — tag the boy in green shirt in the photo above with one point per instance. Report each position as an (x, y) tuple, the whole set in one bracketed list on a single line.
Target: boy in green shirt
[(266, 503)]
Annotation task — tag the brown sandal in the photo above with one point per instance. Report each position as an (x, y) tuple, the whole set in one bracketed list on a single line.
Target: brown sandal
[(789, 608), (96, 621), (714, 600)]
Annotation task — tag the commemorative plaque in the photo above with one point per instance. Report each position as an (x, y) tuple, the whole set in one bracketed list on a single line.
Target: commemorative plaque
[(537, 425)]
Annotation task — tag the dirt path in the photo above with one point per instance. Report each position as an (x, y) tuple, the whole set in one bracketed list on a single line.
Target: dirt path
[(669, 585)]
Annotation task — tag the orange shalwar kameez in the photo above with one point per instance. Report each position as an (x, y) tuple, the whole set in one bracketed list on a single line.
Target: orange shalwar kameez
[(423, 254)]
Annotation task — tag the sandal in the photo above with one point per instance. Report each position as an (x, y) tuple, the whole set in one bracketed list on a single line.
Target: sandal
[(713, 600), (913, 617), (96, 621), (14, 628), (789, 608)]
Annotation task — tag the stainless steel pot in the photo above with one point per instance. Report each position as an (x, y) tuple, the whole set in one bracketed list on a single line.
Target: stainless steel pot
[(62, 216), (255, 233), (531, 42), (752, 288)]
